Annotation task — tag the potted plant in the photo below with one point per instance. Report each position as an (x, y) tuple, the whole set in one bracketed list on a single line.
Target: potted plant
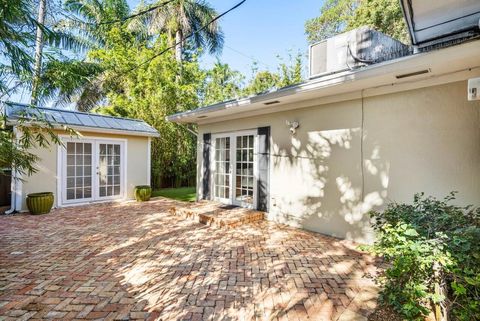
[(143, 193), (40, 203)]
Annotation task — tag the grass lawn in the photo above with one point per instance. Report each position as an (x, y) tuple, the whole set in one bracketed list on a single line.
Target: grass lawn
[(186, 194)]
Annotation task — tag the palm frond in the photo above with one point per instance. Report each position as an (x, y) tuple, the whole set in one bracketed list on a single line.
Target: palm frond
[(90, 10), (211, 33), (91, 95), (65, 40), (190, 17), (20, 59), (65, 77)]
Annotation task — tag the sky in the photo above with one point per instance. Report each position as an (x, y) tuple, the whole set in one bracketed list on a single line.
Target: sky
[(260, 30)]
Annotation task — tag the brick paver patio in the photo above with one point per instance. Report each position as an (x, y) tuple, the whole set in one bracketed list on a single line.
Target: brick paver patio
[(126, 261)]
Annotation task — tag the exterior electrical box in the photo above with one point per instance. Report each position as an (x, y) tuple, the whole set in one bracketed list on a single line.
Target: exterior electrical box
[(474, 89)]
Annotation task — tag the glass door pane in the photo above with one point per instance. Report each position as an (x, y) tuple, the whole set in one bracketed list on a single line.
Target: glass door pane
[(222, 168), (79, 171), (244, 174), (109, 162)]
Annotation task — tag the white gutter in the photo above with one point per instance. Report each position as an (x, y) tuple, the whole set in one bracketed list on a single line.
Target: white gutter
[(436, 62), (194, 133), (13, 191), (13, 186)]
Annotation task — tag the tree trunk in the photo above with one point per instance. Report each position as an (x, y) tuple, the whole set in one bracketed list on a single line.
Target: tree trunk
[(38, 51), (178, 45), (440, 309)]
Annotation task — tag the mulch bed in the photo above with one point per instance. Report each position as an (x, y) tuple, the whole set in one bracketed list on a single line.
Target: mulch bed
[(384, 312)]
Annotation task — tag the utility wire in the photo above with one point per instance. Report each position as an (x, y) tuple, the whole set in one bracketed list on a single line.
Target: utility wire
[(189, 36), (121, 20), (152, 8), (247, 56)]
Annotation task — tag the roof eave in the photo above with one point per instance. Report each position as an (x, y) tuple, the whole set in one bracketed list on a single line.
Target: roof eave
[(336, 84), (12, 122), (260, 98), (438, 32)]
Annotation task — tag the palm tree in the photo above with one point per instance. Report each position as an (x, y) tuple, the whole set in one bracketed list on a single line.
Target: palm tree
[(81, 81), (38, 50), (93, 19), (16, 28), (20, 32), (222, 83), (180, 18)]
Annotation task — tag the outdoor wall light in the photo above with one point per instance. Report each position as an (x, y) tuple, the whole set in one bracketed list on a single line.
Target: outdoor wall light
[(293, 126)]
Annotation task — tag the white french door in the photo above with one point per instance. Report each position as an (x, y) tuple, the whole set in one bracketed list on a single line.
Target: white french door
[(92, 170), (109, 173), (222, 172), (78, 171), (234, 168), (244, 176)]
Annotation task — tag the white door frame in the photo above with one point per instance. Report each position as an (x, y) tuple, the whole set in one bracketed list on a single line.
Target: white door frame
[(233, 162), (62, 168)]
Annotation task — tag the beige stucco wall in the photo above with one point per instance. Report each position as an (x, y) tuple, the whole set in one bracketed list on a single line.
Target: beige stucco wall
[(45, 180), (422, 140)]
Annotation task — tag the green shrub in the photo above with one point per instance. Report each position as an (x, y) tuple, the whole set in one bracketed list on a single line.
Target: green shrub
[(432, 249)]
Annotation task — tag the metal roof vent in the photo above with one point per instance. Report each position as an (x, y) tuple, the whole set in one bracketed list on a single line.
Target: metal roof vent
[(273, 102), (353, 49)]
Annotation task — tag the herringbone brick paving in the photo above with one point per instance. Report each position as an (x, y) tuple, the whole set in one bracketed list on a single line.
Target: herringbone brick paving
[(129, 261)]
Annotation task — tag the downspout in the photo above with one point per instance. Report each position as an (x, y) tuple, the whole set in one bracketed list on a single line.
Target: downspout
[(191, 131), (13, 184), (13, 188)]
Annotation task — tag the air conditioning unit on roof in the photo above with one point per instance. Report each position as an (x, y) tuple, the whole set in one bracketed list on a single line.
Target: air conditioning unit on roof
[(353, 49)]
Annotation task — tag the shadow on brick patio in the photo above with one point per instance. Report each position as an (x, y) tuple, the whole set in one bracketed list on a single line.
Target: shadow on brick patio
[(122, 261)]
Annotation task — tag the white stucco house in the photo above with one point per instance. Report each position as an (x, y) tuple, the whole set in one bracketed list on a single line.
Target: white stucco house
[(321, 154), (109, 157)]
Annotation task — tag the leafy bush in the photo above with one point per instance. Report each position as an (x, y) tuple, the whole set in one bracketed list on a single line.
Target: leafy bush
[(432, 249)]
